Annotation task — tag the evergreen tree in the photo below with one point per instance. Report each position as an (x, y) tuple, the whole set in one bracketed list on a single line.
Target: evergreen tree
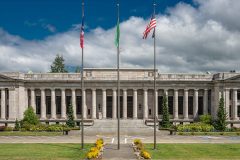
[(165, 118), (70, 117), (220, 123), (30, 117), (78, 69), (17, 125), (58, 65)]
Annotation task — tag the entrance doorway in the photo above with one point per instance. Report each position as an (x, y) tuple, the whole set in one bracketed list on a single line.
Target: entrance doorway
[(121, 107), (130, 107), (109, 106)]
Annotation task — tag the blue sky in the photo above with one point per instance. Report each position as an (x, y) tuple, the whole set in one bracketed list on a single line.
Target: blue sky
[(37, 19), (192, 36)]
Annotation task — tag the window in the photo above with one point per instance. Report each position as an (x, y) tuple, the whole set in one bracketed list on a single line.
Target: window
[(238, 111), (89, 112), (200, 105), (150, 112), (170, 104), (230, 111), (58, 104), (79, 104), (38, 104), (48, 104), (160, 99), (190, 105), (180, 104), (68, 102), (238, 95)]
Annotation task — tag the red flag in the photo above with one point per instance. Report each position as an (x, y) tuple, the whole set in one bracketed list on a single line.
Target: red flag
[(82, 34)]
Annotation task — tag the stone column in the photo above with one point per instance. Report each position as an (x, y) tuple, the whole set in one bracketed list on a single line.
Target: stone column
[(53, 104), (145, 104), (104, 103), (3, 104), (74, 105), (175, 116), (135, 104), (84, 107), (156, 103), (12, 103), (125, 103), (43, 104), (63, 104), (185, 104), (195, 104), (33, 101), (235, 117), (226, 98), (26, 100), (114, 104), (205, 101), (94, 107), (216, 98)]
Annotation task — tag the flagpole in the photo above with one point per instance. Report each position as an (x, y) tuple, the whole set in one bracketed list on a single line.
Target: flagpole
[(82, 85), (154, 5), (118, 85)]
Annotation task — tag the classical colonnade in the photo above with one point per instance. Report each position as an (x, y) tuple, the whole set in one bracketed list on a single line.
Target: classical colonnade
[(8, 110)]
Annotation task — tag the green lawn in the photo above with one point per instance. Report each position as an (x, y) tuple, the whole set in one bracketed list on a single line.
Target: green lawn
[(27, 133), (195, 151), (42, 151)]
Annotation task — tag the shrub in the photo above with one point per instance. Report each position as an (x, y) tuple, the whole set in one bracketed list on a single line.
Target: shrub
[(206, 118), (44, 127), (30, 117), (17, 125), (54, 128), (8, 129), (195, 127), (145, 154)]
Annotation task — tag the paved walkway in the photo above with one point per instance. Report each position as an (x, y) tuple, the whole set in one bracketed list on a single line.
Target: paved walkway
[(123, 140), (111, 152)]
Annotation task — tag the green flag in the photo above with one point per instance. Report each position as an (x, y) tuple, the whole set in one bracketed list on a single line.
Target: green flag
[(117, 35)]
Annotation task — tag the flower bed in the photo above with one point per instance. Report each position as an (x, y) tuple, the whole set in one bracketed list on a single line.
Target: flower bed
[(195, 127), (96, 151), (139, 150)]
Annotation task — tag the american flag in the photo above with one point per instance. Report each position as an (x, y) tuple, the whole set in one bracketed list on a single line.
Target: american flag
[(150, 26), (82, 34)]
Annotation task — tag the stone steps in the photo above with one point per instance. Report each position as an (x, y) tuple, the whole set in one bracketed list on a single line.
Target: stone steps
[(109, 127)]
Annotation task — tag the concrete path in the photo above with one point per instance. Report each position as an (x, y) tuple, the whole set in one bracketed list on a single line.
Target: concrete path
[(112, 139), (112, 153)]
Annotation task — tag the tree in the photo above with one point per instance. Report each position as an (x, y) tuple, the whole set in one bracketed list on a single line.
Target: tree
[(165, 119), (30, 117), (17, 125), (70, 117), (58, 65), (220, 123), (78, 69)]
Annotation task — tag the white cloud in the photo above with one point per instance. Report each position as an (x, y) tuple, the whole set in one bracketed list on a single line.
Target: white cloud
[(189, 39)]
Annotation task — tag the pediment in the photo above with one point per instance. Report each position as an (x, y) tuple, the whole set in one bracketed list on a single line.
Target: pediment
[(234, 78), (4, 78)]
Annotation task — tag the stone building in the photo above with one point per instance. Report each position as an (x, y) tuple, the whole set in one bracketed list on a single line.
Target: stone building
[(189, 95)]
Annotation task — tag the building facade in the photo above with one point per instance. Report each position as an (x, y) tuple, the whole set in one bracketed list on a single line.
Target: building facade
[(50, 94)]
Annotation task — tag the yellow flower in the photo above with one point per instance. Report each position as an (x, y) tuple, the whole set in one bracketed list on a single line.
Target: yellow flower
[(137, 141), (145, 154)]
